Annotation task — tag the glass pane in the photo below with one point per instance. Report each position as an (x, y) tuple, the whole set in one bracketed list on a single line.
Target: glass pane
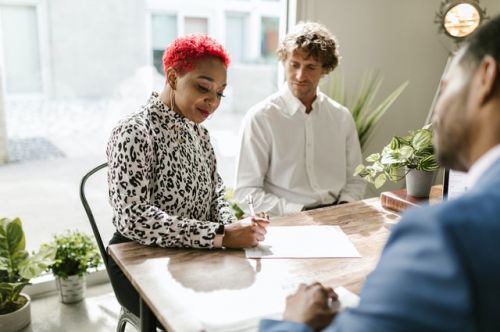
[(101, 70), (21, 49), (236, 36), (269, 36), (163, 31), (195, 25), (158, 60)]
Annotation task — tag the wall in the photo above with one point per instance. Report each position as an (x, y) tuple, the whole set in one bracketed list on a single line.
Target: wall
[(3, 130), (399, 39), (83, 61)]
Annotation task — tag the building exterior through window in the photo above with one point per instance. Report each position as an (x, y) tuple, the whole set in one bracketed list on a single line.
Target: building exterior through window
[(249, 29)]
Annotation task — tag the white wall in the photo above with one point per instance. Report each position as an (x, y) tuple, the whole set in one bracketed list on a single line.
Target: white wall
[(398, 38), (3, 130), (84, 62)]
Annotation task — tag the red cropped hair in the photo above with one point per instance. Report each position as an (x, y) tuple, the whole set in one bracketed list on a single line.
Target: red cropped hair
[(184, 51)]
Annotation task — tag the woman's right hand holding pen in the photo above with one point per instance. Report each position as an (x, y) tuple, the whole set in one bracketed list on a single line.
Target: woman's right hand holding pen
[(245, 233)]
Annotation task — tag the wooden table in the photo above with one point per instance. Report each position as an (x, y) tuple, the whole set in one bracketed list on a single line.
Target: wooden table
[(221, 290)]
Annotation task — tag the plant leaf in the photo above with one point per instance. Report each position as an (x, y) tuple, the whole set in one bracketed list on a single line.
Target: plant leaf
[(360, 168), (382, 108), (365, 116), (422, 139), (406, 152), (428, 164), (373, 157), (38, 262), (380, 180)]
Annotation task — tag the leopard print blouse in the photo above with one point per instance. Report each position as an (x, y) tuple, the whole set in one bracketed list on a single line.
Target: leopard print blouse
[(163, 181)]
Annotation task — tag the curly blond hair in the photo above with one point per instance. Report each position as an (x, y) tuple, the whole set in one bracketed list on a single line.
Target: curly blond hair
[(315, 40)]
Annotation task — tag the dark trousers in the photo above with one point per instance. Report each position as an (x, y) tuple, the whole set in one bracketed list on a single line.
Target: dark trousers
[(125, 293)]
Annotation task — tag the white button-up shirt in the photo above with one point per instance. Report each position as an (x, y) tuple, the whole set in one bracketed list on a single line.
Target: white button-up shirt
[(289, 159), (482, 164)]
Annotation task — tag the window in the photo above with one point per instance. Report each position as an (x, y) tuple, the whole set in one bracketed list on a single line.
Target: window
[(236, 36), (195, 25), (104, 63), (21, 51), (269, 36), (163, 31)]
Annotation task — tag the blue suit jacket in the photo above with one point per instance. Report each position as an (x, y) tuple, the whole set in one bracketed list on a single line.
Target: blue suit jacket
[(439, 271)]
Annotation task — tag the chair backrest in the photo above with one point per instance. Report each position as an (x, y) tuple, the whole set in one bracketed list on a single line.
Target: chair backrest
[(125, 315), (90, 215)]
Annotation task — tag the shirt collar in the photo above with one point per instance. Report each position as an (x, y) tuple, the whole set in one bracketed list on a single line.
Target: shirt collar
[(293, 104), (482, 164), (163, 109)]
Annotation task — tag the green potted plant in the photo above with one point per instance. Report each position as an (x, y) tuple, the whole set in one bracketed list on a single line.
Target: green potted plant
[(365, 114), (17, 268), (76, 253), (411, 157)]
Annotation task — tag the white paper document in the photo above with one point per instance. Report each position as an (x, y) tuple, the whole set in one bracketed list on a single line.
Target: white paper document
[(347, 299), (304, 242)]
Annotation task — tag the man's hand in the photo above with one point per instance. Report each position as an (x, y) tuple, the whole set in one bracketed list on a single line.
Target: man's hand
[(245, 233), (313, 305)]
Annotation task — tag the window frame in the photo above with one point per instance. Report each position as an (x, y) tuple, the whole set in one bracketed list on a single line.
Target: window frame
[(215, 11), (40, 7)]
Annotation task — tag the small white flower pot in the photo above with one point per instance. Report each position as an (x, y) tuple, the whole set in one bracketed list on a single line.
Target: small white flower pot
[(71, 289)]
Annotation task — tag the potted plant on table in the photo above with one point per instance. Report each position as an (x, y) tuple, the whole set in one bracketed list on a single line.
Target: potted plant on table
[(76, 253), (17, 267), (411, 157)]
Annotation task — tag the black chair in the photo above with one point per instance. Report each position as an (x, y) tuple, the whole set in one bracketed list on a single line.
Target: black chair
[(125, 315)]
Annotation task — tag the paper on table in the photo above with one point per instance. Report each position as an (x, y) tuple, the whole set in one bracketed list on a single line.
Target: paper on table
[(347, 299), (304, 242)]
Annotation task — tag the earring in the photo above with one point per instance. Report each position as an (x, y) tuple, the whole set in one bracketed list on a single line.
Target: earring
[(172, 100)]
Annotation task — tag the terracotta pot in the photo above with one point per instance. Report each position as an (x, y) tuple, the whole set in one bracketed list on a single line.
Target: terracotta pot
[(17, 320)]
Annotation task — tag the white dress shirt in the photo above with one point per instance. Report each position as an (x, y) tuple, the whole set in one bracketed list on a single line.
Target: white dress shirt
[(289, 159), (482, 164)]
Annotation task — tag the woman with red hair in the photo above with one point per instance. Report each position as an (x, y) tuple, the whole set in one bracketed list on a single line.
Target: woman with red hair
[(163, 183)]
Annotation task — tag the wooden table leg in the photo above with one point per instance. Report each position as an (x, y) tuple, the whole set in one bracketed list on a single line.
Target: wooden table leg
[(148, 319)]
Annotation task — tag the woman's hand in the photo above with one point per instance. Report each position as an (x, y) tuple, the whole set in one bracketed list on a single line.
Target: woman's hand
[(245, 233), (313, 305)]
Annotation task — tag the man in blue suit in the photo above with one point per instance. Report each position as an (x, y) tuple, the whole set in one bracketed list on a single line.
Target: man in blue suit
[(440, 269)]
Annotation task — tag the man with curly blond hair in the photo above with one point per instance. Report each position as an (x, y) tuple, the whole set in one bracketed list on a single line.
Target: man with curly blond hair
[(299, 148)]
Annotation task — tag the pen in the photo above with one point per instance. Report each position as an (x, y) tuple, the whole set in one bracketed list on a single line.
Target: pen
[(250, 204)]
